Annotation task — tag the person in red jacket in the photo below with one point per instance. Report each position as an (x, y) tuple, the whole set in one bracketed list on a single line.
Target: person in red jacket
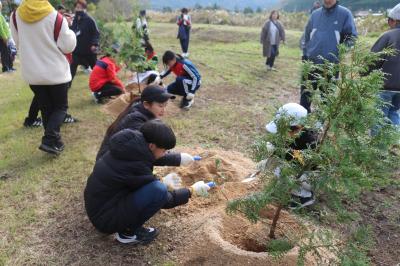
[(104, 81)]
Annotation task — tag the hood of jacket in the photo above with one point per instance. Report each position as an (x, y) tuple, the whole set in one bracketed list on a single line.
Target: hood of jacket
[(130, 145), (31, 11)]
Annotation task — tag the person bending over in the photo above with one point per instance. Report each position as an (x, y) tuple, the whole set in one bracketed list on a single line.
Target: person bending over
[(188, 78), (122, 193)]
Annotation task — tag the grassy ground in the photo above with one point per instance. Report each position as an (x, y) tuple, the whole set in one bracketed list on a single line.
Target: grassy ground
[(41, 209)]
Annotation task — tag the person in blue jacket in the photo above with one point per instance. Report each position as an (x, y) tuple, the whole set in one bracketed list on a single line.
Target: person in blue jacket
[(327, 27), (188, 78)]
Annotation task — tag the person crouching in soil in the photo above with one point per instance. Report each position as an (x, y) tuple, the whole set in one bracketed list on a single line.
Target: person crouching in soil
[(151, 105), (305, 138), (122, 193), (188, 79), (104, 82)]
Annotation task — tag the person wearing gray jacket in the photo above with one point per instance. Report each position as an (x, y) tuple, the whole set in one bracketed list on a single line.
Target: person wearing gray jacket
[(327, 27), (390, 65), (272, 35)]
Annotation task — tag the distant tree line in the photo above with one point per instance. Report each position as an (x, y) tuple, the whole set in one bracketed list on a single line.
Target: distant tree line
[(215, 6)]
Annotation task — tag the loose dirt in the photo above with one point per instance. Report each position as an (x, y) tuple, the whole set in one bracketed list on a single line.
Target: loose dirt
[(198, 233)]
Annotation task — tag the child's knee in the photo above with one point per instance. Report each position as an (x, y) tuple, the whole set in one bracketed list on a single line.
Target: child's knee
[(160, 191)]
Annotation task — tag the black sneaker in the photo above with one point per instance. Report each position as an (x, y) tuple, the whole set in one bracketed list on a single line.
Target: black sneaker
[(60, 145), (186, 104), (301, 202), (69, 119), (52, 149), (142, 236), (35, 123)]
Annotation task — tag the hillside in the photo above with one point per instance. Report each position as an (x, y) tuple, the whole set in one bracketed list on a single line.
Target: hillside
[(354, 5), (227, 4)]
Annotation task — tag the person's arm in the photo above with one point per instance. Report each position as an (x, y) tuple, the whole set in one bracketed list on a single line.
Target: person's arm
[(195, 79), (14, 32), (349, 31), (282, 32), (177, 197), (379, 46), (138, 25), (112, 75), (4, 32), (170, 159), (67, 38), (95, 38), (165, 74), (179, 20), (264, 33), (307, 35)]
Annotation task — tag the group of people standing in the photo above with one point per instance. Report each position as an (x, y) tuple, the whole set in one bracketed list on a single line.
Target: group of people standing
[(329, 25)]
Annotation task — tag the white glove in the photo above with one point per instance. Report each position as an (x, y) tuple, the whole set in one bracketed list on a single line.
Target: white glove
[(200, 189), (172, 181), (189, 96), (270, 147), (262, 165), (186, 159), (163, 73)]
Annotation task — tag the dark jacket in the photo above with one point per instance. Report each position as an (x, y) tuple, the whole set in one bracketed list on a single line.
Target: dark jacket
[(265, 38), (390, 65), (137, 116), (124, 169), (87, 34), (306, 140)]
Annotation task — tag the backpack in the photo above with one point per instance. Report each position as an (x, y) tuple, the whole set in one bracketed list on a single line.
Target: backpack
[(57, 28)]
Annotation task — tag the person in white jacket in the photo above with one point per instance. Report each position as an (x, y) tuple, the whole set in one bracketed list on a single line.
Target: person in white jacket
[(44, 65)]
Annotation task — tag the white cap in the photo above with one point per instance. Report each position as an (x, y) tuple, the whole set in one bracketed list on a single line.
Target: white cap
[(294, 111), (395, 13)]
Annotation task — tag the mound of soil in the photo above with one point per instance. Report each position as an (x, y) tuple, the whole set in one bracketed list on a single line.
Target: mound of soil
[(226, 168), (216, 165)]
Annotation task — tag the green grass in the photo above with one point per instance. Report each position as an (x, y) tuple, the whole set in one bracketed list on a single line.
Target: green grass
[(41, 207)]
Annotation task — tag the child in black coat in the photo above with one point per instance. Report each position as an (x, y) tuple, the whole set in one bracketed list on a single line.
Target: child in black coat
[(122, 193)]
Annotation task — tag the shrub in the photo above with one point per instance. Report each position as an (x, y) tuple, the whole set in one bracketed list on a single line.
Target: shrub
[(347, 159)]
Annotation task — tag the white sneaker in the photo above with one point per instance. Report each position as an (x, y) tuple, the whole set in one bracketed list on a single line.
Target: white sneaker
[(140, 236), (96, 100)]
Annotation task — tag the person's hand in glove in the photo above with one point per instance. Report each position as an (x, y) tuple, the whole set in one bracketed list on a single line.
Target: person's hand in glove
[(172, 181), (186, 159), (270, 148), (189, 96), (262, 166), (199, 189)]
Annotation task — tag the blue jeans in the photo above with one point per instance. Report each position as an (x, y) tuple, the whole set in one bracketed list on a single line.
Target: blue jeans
[(271, 60), (144, 203), (392, 106)]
